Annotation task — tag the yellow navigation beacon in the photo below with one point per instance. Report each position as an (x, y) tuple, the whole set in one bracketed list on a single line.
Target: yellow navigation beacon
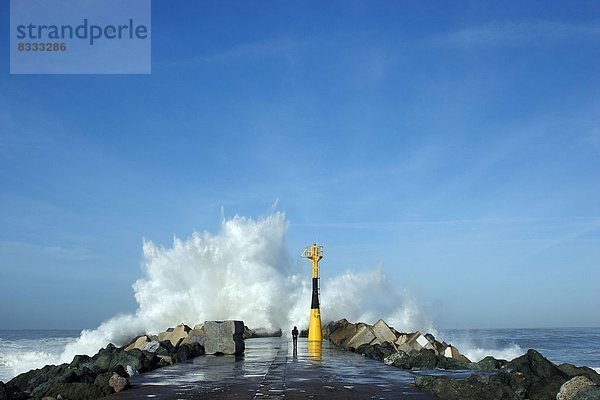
[(314, 253)]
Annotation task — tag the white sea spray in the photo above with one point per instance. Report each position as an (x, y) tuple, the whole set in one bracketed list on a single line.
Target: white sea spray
[(22, 355), (244, 272), (475, 353)]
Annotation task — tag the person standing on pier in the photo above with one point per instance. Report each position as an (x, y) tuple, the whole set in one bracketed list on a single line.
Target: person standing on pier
[(295, 338)]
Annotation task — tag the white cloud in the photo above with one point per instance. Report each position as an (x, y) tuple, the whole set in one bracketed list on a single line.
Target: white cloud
[(523, 33), (274, 48), (55, 252)]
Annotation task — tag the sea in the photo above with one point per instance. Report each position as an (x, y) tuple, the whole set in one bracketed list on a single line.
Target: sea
[(23, 350)]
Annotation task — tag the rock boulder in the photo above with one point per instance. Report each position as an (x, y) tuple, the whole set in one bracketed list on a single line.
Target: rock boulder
[(188, 351), (341, 332), (118, 383), (399, 359), (383, 333), (588, 393), (489, 363), (542, 379), (175, 335), (224, 337), (572, 371), (376, 351), (569, 389), (478, 388), (196, 335), (139, 343), (364, 335)]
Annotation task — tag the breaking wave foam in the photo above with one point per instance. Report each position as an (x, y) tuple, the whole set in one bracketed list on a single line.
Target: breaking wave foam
[(477, 353), (17, 356), (244, 272), (19, 362)]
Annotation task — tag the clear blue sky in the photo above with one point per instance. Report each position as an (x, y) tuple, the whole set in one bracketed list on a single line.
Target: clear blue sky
[(454, 144)]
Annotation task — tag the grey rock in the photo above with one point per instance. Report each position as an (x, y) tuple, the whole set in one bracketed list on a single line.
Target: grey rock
[(166, 348), (478, 377), (341, 332), (542, 379), (459, 389), (163, 361), (572, 371), (425, 360), (75, 390), (28, 380), (81, 360), (570, 388), (120, 370), (588, 393), (175, 335), (399, 357), (102, 382), (139, 343), (329, 329), (376, 351), (402, 360), (224, 337), (110, 357), (84, 374), (188, 351), (198, 336), (364, 336), (489, 363)]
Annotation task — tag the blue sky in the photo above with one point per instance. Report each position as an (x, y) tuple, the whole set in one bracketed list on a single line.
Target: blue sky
[(457, 146)]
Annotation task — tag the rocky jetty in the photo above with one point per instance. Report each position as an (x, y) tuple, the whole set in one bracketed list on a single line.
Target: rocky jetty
[(530, 376), (109, 370), (403, 350)]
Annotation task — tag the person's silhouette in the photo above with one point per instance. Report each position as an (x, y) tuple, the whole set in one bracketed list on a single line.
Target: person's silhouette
[(295, 337)]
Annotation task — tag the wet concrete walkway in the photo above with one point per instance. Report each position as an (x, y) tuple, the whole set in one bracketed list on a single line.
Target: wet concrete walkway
[(271, 370)]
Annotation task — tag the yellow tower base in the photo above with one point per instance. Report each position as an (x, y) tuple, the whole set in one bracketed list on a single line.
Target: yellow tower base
[(314, 326), (314, 351)]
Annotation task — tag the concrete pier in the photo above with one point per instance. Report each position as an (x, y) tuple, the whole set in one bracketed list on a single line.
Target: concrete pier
[(271, 370)]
